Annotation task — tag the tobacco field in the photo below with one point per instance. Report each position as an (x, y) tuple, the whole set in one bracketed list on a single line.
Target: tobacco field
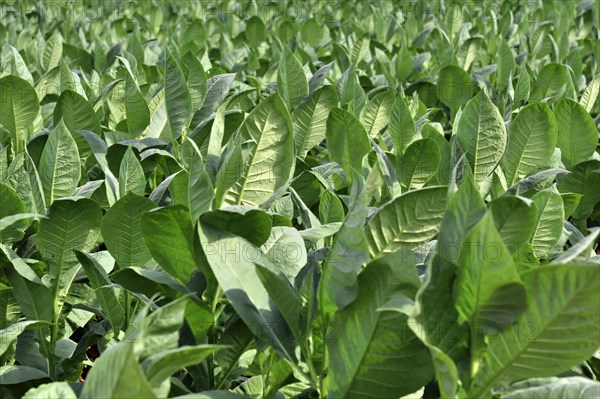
[(322, 199)]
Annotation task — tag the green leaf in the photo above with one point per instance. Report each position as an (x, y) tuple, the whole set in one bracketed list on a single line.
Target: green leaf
[(553, 388), (245, 221), (578, 136), (584, 179), (285, 249), (121, 230), (196, 79), (70, 225), (200, 187), (548, 223), (532, 137), (161, 366), (148, 282), (559, 329), (255, 31), (268, 153), (347, 140), (217, 88), (116, 374), (34, 298), (233, 261), (292, 85), (402, 125), (9, 335), (331, 209), (454, 87), (590, 94), (51, 391), (59, 165), (136, 109), (105, 293), (506, 65), (514, 218), (523, 87), (488, 291), (11, 206), (158, 331), (19, 107), (552, 83), (371, 349), (131, 175), (178, 101), (168, 234), (419, 164), (376, 114), (482, 135), (11, 374), (407, 221), (310, 118), (76, 112), (338, 287)]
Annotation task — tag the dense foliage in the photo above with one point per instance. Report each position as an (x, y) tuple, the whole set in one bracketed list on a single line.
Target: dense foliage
[(334, 199)]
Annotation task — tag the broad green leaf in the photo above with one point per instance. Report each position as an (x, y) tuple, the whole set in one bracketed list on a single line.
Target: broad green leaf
[(331, 209), (34, 298), (506, 65), (162, 365), (407, 221), (578, 134), (559, 329), (310, 118), (136, 109), (523, 87), (148, 282), (488, 292), (255, 31), (338, 287), (454, 87), (419, 164), (200, 187), (159, 330), (169, 235), (11, 206), (583, 179), (19, 107), (552, 83), (233, 261), (104, 292), (51, 391), (371, 348), (553, 388), (402, 125), (376, 114), (548, 222), (590, 94), (16, 374), (482, 135), (196, 79), (52, 52), (121, 230), (285, 249), (217, 88), (347, 140), (59, 165), (268, 153), (292, 85), (248, 222), (70, 225), (9, 335), (116, 374), (434, 307), (131, 175), (514, 218), (178, 101), (76, 112), (532, 137)]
